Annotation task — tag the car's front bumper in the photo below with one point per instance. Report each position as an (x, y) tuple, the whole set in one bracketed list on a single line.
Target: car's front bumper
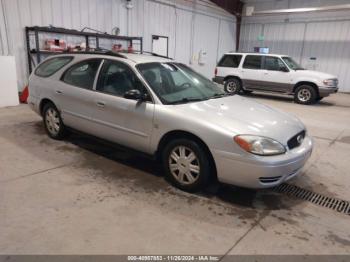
[(326, 91), (261, 171)]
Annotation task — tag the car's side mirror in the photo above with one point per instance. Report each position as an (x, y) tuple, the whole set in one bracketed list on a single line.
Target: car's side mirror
[(135, 94)]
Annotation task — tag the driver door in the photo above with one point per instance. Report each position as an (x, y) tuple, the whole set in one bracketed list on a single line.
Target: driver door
[(124, 121)]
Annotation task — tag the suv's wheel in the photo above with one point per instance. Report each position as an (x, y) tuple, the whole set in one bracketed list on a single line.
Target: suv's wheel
[(53, 123), (232, 86), (186, 164), (305, 94)]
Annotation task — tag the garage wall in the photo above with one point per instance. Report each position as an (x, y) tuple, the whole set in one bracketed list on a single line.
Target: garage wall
[(191, 25), (323, 35)]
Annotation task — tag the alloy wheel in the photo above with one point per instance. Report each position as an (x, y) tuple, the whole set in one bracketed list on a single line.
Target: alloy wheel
[(52, 121), (231, 87), (184, 165), (304, 95)]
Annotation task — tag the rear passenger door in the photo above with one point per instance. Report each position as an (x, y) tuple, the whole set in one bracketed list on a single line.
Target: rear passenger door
[(75, 94), (252, 74)]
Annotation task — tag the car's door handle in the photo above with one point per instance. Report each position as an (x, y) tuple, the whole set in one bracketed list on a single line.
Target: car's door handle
[(101, 104), (59, 92)]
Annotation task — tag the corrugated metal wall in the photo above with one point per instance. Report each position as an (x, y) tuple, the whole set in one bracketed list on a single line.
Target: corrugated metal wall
[(324, 36), (190, 25)]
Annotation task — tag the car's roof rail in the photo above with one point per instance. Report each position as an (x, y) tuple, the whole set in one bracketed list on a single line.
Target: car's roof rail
[(151, 53), (101, 52)]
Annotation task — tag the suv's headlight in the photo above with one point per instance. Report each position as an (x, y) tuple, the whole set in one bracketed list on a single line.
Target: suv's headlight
[(330, 82), (260, 145)]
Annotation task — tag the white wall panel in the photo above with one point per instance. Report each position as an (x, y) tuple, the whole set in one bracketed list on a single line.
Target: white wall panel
[(227, 38), (214, 28), (205, 42)]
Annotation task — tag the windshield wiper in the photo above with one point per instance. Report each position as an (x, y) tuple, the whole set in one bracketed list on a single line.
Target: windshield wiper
[(219, 95), (186, 100)]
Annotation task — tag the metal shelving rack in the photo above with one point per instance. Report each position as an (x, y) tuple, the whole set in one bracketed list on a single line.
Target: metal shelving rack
[(37, 30)]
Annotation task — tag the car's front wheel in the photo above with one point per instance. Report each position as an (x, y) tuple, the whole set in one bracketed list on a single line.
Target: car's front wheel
[(53, 123), (305, 94), (186, 164), (232, 86)]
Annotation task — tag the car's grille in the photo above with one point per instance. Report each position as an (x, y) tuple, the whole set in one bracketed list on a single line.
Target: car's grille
[(296, 140), (267, 180)]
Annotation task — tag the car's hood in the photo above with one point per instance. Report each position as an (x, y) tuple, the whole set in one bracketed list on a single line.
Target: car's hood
[(240, 115), (315, 74)]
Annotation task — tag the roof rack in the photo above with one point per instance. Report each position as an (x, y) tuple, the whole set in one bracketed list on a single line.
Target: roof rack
[(151, 53)]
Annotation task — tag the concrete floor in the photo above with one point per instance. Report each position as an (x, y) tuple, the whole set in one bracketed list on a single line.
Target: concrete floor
[(80, 196)]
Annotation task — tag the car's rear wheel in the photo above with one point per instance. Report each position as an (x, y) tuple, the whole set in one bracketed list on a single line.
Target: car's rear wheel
[(232, 86), (53, 123), (186, 164), (305, 94)]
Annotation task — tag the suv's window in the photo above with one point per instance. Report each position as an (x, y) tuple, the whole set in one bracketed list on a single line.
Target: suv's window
[(252, 62), (82, 74), (51, 66), (116, 78), (230, 61), (274, 63)]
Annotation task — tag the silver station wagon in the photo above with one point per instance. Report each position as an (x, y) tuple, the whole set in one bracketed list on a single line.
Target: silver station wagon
[(165, 109)]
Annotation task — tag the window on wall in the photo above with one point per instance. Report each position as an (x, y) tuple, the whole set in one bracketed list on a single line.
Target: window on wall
[(160, 45), (252, 62), (82, 74), (230, 61)]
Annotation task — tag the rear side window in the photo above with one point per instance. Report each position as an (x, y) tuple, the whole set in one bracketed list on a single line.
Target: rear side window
[(82, 74), (252, 62), (51, 66), (230, 61)]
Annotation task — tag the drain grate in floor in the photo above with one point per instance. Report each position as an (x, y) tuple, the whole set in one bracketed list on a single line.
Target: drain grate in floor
[(335, 204)]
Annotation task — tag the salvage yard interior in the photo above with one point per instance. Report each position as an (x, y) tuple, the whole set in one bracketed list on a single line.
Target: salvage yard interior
[(82, 196), (175, 127)]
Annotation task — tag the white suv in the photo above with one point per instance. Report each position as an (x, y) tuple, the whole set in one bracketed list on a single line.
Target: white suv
[(247, 72)]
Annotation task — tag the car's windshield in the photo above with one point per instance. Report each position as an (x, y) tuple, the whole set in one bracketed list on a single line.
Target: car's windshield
[(176, 83), (291, 63)]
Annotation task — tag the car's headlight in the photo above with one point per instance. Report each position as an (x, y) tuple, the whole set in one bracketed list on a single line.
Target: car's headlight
[(260, 145), (330, 82)]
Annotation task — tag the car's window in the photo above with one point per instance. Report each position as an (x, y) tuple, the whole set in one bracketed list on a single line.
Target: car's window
[(252, 62), (82, 74), (230, 61), (291, 63), (51, 66), (177, 83), (274, 63), (117, 78)]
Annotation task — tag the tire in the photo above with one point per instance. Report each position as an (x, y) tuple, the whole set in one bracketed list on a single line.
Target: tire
[(53, 122), (305, 94), (232, 86), (319, 98), (176, 158)]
